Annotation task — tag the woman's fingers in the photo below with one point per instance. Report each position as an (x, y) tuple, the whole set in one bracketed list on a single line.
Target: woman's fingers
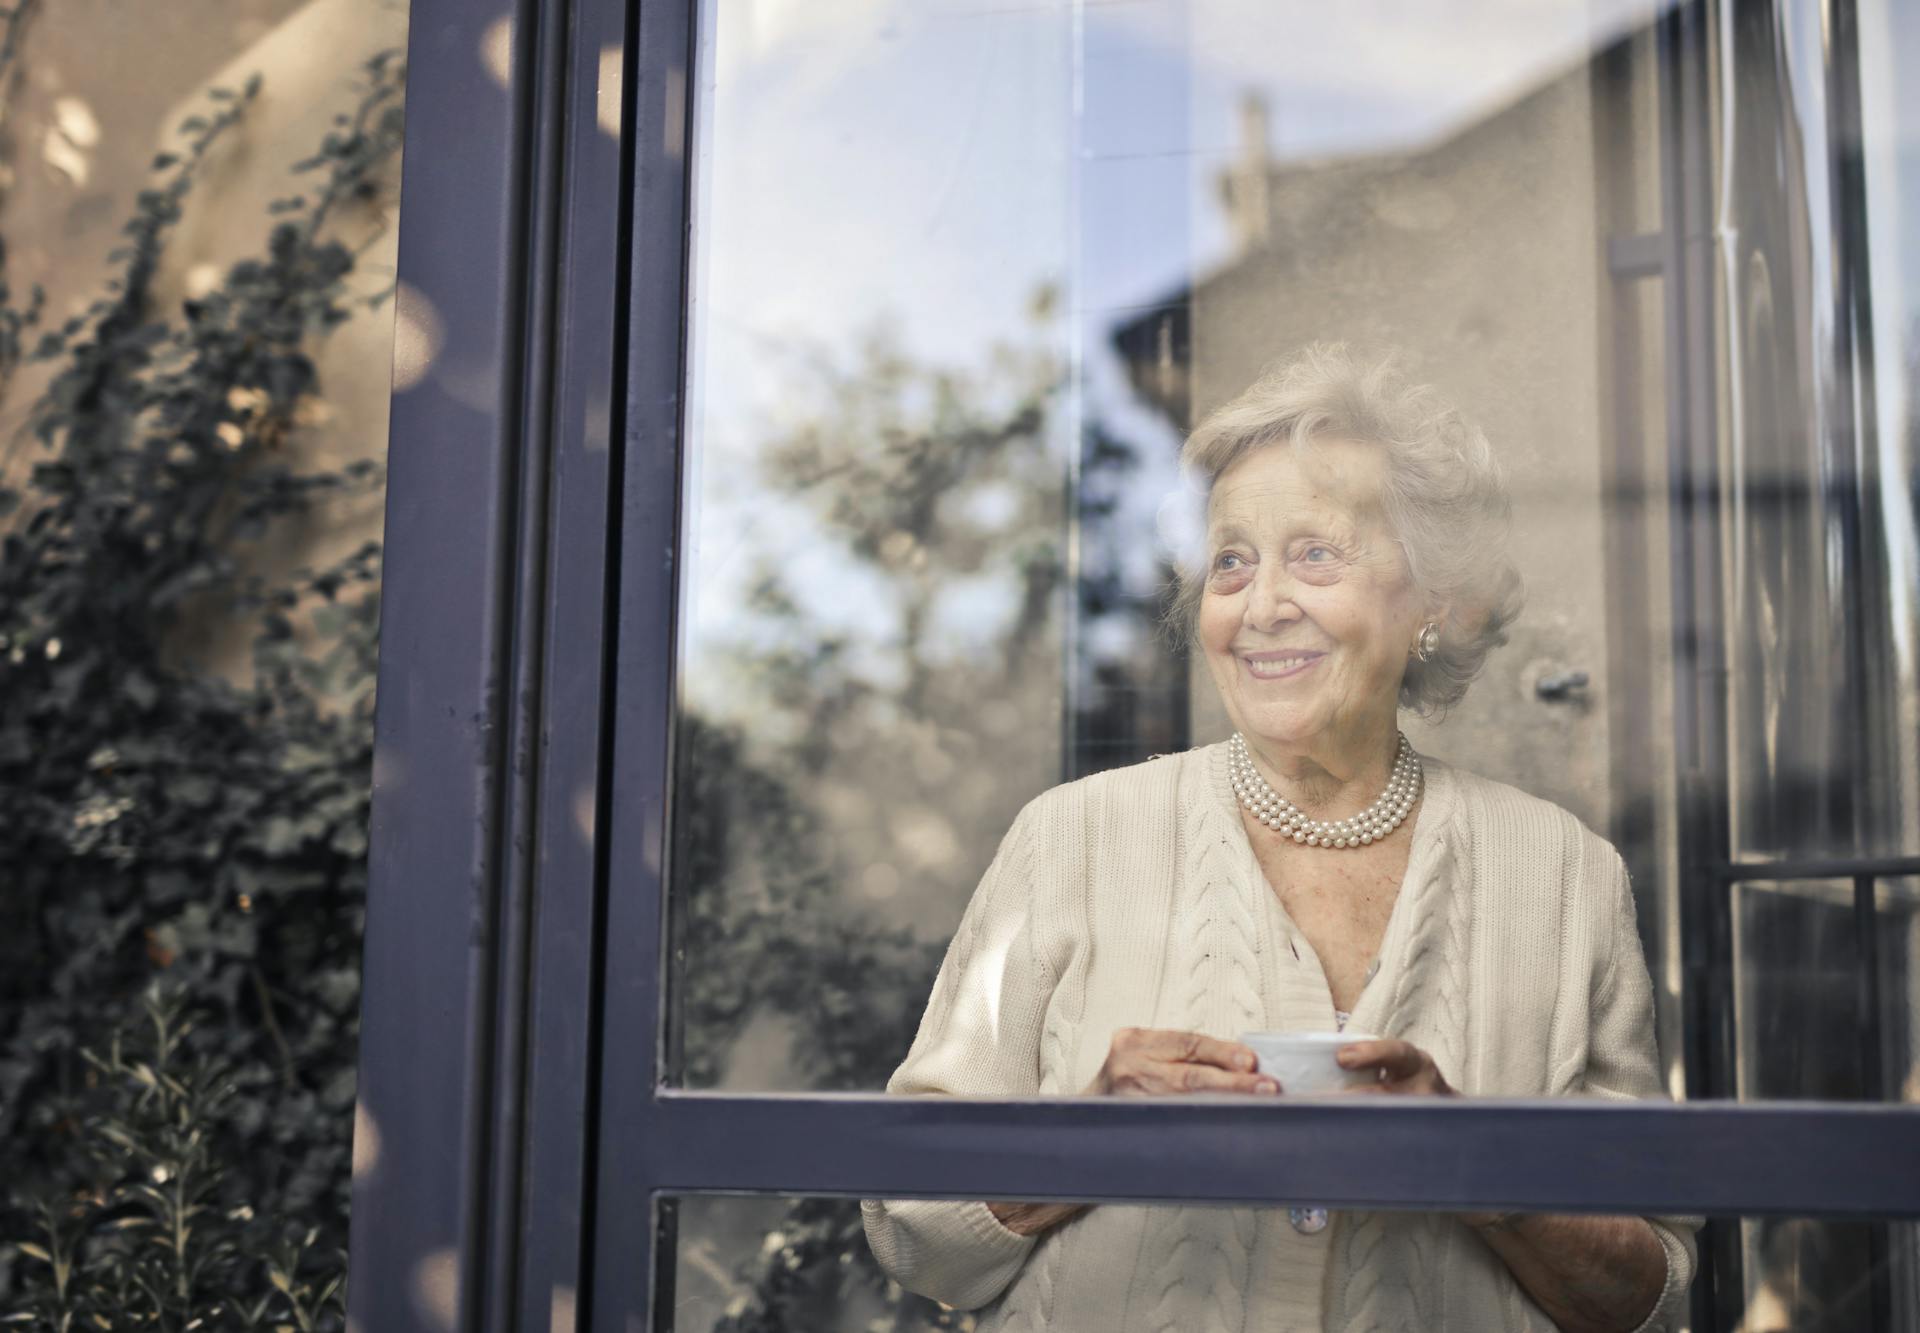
[(1171, 1077), (1395, 1059), (1402, 1066), (1196, 1048), (1205, 1078), (1165, 1044), (1158, 1061)]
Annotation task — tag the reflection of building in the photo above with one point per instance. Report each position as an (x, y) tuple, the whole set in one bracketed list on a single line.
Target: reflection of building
[(1479, 259)]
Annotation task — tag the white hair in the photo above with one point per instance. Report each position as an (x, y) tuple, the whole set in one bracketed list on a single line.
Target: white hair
[(1443, 496)]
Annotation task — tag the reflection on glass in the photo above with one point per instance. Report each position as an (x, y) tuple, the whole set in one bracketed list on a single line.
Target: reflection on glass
[(1889, 145), (1788, 621), (1816, 1017), (1819, 437), (1897, 934), (967, 277), (1810, 1274), (1798, 961), (873, 651), (934, 491)]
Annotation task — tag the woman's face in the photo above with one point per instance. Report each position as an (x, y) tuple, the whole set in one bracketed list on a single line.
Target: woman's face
[(1308, 612)]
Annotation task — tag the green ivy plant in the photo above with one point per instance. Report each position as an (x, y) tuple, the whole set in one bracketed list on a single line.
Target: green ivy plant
[(159, 821)]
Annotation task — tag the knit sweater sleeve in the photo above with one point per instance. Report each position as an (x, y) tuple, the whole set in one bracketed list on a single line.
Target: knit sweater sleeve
[(979, 1037), (1623, 1063)]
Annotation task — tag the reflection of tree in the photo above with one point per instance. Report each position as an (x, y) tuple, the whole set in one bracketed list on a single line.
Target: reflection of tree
[(763, 932), (924, 477), (1130, 676), (838, 767), (832, 767), (903, 484)]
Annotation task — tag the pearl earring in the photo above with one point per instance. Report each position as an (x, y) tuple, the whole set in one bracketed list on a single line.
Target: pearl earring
[(1428, 643)]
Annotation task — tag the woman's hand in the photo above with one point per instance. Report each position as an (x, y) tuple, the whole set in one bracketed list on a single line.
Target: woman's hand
[(1147, 1062), (1156, 1062), (1400, 1065), (1033, 1219), (1587, 1273), (1590, 1274)]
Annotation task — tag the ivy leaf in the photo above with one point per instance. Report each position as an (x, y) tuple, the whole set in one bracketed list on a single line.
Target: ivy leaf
[(139, 690)]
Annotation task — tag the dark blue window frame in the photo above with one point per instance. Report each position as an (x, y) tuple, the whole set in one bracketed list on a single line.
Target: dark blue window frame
[(519, 1130)]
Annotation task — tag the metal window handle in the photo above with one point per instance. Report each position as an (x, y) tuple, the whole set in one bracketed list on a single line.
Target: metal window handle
[(1560, 687)]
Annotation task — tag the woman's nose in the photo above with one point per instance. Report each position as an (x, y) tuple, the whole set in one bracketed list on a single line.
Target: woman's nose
[(1270, 600)]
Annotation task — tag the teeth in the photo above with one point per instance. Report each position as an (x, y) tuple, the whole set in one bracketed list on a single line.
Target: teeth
[(1277, 664)]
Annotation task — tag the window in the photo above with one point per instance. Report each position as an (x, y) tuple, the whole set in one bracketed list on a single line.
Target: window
[(922, 301)]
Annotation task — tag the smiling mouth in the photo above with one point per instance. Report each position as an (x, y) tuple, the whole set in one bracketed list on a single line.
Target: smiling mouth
[(1278, 666)]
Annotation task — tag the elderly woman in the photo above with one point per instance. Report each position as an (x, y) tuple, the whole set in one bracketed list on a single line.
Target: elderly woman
[(1311, 871)]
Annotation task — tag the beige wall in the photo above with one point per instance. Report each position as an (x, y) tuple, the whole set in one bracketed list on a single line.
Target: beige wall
[(310, 69), (95, 78), (103, 85)]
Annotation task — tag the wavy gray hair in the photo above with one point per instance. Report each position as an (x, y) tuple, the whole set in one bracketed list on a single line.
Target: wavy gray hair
[(1443, 495)]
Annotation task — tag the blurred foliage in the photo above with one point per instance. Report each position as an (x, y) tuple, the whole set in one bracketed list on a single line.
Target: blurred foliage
[(160, 821), (916, 480), (770, 933), (883, 465)]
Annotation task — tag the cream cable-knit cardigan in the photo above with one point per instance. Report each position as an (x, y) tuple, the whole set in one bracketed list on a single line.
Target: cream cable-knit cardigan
[(1133, 899)]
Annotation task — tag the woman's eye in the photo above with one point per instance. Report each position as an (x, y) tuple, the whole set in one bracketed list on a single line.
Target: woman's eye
[(1227, 562), (1317, 554)]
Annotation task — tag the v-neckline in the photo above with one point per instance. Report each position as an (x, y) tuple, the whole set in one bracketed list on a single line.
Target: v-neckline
[(1428, 842)]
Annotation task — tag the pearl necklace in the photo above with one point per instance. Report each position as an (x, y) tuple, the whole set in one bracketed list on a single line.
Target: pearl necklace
[(1278, 813)]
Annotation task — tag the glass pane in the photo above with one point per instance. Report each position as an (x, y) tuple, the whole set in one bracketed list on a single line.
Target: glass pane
[(934, 501), (1799, 967), (197, 355), (1820, 477), (771, 1263), (1890, 567), (966, 282), (1898, 980), (1806, 1273), (880, 439), (1814, 1019)]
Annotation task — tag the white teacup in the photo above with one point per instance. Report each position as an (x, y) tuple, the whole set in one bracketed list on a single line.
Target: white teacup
[(1303, 1062)]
